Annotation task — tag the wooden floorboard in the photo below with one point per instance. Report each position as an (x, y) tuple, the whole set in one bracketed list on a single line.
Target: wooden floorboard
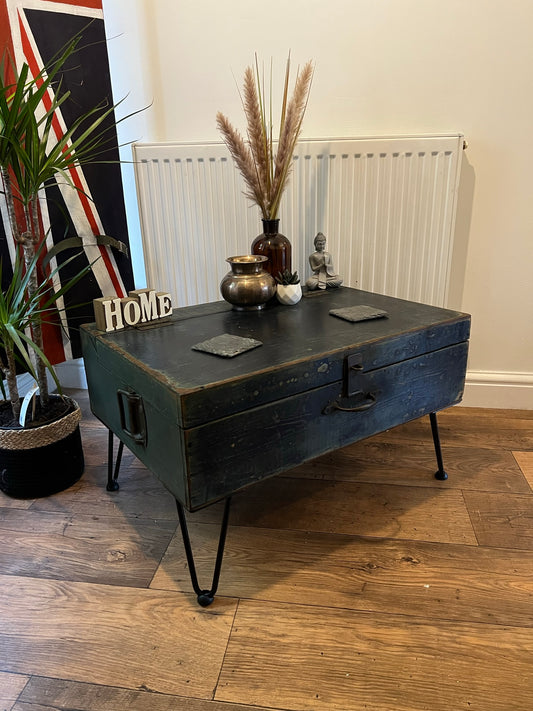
[(11, 686), (318, 658), (454, 582), (525, 462), (95, 441), (42, 694), (140, 495), (503, 520), (354, 582), (112, 549), (416, 513), (410, 464), (470, 427), (134, 638)]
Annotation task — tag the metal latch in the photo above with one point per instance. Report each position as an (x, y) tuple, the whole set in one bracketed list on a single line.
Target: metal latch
[(353, 398), (353, 365)]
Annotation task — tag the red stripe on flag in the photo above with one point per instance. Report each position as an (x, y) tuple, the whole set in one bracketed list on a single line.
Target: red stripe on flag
[(112, 274), (90, 4), (5, 31)]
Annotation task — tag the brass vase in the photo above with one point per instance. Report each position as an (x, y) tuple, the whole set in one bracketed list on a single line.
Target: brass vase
[(247, 286)]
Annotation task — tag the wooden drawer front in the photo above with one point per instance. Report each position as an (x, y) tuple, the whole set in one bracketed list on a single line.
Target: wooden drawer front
[(230, 453)]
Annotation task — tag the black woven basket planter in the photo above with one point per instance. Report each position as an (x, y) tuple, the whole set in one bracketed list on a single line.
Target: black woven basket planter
[(52, 464)]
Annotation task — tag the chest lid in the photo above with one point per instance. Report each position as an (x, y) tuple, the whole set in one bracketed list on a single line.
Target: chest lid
[(303, 347)]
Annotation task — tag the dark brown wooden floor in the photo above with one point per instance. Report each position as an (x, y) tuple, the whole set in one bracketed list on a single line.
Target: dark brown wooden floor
[(357, 581)]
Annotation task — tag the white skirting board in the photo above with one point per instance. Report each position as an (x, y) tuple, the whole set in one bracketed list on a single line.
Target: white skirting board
[(501, 390), (71, 374)]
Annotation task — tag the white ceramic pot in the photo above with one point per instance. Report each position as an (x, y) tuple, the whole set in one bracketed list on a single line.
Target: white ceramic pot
[(289, 294)]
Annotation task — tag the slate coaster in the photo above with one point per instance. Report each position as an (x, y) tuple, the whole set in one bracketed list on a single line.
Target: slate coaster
[(227, 345), (358, 313)]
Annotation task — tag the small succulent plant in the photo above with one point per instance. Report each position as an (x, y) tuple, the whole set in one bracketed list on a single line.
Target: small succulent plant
[(287, 277)]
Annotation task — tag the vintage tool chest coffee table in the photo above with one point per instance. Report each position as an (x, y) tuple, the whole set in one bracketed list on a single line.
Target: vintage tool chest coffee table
[(207, 426)]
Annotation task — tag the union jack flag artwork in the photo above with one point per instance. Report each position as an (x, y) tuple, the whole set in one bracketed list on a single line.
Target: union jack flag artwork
[(33, 32)]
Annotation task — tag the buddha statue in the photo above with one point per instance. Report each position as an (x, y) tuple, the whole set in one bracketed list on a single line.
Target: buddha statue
[(324, 276)]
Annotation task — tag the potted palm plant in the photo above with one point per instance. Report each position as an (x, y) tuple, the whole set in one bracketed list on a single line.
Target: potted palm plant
[(40, 445)]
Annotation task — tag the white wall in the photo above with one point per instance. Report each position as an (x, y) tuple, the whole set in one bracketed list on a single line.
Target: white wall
[(382, 68)]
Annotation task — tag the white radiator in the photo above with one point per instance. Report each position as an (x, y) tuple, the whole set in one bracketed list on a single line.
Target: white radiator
[(386, 205)]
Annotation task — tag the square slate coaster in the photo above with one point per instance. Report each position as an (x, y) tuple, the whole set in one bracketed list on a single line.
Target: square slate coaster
[(358, 313), (226, 345)]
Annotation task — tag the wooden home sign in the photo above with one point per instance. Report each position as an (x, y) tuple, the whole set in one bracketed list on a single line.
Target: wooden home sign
[(139, 307)]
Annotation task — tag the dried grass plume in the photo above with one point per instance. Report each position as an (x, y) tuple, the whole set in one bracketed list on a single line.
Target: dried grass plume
[(266, 163)]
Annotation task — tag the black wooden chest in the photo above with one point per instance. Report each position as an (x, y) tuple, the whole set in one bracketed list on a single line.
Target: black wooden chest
[(208, 426)]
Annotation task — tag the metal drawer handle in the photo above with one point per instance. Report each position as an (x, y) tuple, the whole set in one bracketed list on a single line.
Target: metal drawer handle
[(358, 408), (134, 424)]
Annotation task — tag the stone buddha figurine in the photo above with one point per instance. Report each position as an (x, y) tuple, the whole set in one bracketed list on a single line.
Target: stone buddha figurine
[(324, 276)]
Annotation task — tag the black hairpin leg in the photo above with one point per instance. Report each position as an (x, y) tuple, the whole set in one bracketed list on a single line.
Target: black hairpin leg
[(112, 474), (440, 474), (205, 597)]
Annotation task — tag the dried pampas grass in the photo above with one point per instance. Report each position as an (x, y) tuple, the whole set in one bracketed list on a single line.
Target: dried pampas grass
[(264, 169)]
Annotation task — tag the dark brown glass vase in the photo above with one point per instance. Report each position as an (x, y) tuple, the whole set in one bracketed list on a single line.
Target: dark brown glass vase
[(275, 246)]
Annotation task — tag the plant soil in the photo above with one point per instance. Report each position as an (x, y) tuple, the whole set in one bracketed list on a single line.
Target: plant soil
[(57, 407)]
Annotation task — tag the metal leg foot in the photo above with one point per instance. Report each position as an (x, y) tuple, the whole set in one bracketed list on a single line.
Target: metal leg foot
[(205, 597), (440, 474), (112, 474)]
